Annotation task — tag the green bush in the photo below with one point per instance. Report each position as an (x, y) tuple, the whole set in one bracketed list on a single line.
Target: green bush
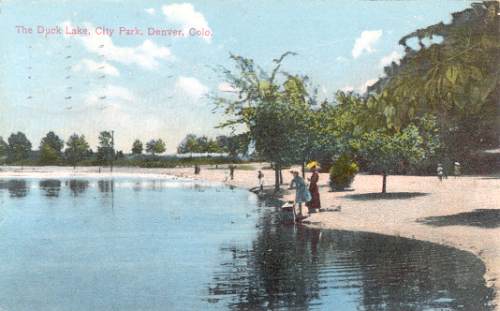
[(342, 173)]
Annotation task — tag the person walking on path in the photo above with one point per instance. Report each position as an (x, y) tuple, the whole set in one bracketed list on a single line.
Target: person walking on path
[(440, 172), (456, 169), (302, 195), (315, 204), (260, 176)]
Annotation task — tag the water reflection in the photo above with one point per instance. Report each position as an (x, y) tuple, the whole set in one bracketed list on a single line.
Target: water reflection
[(207, 248), (299, 268), (18, 188), (77, 186), (51, 187), (106, 186)]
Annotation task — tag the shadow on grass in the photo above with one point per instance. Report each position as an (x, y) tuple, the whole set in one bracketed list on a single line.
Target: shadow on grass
[(484, 218), (385, 196)]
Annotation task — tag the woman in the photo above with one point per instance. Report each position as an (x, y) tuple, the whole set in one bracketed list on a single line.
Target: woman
[(302, 195), (315, 204)]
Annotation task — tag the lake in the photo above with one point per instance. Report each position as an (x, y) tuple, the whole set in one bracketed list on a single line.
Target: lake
[(140, 244)]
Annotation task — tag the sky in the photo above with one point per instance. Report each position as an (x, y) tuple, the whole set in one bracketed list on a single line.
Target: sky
[(143, 85)]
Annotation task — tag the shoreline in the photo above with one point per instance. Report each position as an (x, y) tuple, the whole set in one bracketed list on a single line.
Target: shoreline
[(414, 199)]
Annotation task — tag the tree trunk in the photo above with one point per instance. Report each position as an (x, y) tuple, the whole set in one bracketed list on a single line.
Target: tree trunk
[(384, 182), (276, 178), (281, 177), (303, 169)]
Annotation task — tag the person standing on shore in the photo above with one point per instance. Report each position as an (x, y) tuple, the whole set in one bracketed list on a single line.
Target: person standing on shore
[(231, 171), (302, 195), (440, 172), (260, 176), (315, 204)]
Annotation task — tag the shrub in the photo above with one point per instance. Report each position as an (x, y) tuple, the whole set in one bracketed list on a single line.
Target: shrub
[(342, 173)]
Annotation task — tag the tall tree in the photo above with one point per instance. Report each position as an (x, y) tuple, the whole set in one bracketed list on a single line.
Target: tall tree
[(105, 150), (76, 149), (51, 149), (19, 147), (257, 105), (137, 147)]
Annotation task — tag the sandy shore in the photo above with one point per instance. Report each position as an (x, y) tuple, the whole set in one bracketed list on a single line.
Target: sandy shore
[(414, 199)]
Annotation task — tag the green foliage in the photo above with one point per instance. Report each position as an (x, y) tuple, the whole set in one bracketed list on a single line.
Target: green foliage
[(275, 110), (49, 156), (51, 149), (456, 80), (137, 147), (105, 150), (156, 146), (19, 147), (4, 150), (76, 149), (342, 172), (193, 144), (385, 151)]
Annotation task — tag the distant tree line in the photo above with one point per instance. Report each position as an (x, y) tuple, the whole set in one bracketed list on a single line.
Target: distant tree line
[(17, 150), (53, 150)]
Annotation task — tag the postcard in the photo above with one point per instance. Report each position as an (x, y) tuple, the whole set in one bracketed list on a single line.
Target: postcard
[(249, 155)]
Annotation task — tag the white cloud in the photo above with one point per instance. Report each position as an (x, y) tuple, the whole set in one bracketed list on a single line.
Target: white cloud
[(394, 56), (365, 42), (347, 88), (92, 66), (191, 87), (363, 87), (150, 11), (185, 15), (145, 55), (226, 87)]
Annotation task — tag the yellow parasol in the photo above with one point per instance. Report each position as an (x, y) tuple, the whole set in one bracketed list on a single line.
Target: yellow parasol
[(312, 164)]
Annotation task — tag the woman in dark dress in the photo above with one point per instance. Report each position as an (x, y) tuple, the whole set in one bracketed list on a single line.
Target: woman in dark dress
[(315, 204)]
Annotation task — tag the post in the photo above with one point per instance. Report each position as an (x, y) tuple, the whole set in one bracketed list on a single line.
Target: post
[(112, 149), (384, 182)]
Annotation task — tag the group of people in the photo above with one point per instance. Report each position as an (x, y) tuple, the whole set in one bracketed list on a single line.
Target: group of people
[(457, 171), (308, 196)]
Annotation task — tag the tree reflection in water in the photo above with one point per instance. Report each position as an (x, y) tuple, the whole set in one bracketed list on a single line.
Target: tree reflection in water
[(77, 186), (106, 186), (297, 268), (51, 187), (18, 188)]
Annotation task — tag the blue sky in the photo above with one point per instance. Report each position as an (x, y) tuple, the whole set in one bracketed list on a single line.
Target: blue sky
[(147, 87)]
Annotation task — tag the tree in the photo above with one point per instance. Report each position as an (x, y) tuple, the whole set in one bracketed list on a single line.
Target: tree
[(237, 144), (385, 150), (456, 80), (19, 147), (51, 149), (188, 144), (258, 106), (105, 150), (76, 149), (155, 146), (137, 147), (4, 149)]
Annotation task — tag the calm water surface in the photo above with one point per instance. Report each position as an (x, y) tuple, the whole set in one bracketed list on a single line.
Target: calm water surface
[(135, 244)]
